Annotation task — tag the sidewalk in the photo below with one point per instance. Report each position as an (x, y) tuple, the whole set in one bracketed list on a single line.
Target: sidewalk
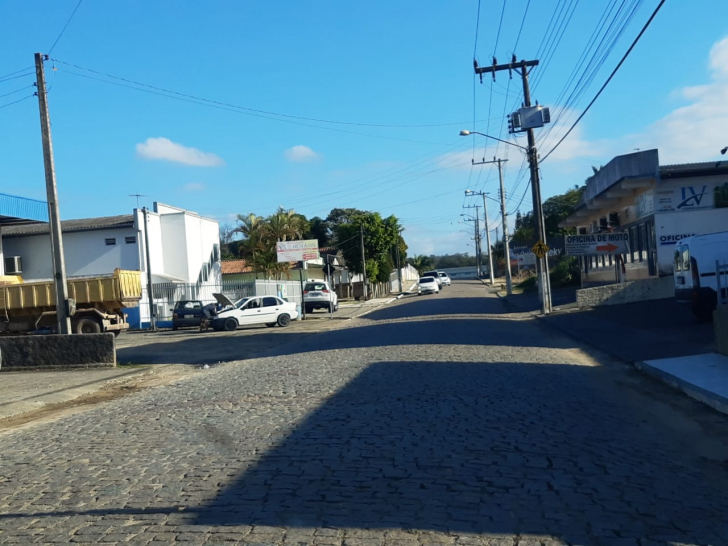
[(23, 392), (660, 338)]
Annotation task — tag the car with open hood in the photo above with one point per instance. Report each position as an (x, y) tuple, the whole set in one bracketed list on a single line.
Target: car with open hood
[(268, 310)]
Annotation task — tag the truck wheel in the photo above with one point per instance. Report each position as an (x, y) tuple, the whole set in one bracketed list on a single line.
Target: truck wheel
[(284, 320), (230, 324), (88, 326)]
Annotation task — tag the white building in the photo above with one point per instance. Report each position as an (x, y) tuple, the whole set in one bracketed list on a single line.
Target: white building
[(184, 251)]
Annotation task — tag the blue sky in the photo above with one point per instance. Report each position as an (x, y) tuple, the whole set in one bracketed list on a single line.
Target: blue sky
[(374, 67)]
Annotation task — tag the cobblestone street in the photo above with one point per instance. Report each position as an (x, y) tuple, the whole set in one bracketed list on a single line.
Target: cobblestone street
[(439, 419)]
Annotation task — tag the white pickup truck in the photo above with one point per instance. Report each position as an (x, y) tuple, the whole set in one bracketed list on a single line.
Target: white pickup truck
[(318, 295)]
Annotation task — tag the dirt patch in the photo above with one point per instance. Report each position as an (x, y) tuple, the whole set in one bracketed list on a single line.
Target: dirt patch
[(156, 377)]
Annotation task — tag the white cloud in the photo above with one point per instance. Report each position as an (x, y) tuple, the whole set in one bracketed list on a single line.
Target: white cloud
[(300, 154), (164, 149), (194, 186), (696, 131)]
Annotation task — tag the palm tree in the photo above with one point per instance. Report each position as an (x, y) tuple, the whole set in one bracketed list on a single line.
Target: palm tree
[(421, 263), (251, 227)]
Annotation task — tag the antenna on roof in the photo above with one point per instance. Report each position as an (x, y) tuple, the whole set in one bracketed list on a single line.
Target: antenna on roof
[(137, 195)]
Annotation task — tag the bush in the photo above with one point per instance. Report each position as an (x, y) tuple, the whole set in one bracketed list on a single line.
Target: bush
[(567, 272), (528, 284)]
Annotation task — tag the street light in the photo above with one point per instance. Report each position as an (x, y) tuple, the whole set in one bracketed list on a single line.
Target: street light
[(465, 132)]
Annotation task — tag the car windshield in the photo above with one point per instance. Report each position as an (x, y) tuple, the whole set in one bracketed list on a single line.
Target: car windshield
[(315, 286), (442, 274), (427, 279)]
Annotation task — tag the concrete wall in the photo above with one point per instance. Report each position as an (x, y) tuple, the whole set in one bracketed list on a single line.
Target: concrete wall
[(86, 253), (26, 353), (629, 292)]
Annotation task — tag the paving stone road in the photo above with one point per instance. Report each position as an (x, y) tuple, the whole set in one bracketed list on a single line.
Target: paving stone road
[(436, 420)]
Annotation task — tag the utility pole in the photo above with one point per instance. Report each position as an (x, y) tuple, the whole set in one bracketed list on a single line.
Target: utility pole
[(478, 247), (363, 263), (542, 264), (399, 265), (59, 265), (150, 293)]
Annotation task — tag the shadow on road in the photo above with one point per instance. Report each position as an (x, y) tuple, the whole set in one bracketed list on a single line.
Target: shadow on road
[(498, 448)]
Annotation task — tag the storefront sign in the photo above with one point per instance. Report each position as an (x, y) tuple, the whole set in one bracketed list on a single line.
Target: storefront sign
[(597, 244), (297, 251)]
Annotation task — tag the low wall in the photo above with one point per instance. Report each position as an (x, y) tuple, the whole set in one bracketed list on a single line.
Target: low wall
[(56, 352), (617, 294), (720, 325)]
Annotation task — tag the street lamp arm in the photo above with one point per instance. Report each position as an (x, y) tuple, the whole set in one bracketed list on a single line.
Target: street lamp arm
[(465, 132)]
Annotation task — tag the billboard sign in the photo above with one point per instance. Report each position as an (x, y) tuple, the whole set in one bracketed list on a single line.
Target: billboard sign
[(597, 244), (297, 251)]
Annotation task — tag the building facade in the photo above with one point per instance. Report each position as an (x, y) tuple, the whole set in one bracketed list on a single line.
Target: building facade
[(657, 205), (184, 248)]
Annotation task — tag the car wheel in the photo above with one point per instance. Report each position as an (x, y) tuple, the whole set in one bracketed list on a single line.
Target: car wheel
[(217, 326), (270, 324), (309, 309), (175, 327), (284, 320), (230, 324), (336, 307)]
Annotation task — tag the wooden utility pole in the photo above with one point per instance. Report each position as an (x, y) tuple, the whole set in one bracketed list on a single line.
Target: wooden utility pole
[(59, 266), (542, 264), (363, 263)]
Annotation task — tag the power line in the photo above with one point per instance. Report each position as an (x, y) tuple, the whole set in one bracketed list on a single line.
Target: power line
[(500, 25), (8, 77), (17, 101), (65, 26), (477, 26), (16, 72), (624, 58), (16, 91), (520, 29), (252, 111)]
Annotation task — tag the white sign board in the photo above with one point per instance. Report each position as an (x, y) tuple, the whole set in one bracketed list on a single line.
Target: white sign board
[(297, 251), (597, 244), (526, 259)]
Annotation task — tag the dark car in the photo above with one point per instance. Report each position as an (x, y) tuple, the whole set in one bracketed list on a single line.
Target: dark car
[(186, 313)]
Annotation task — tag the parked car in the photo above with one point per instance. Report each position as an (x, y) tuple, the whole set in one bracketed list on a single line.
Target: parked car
[(268, 310), (428, 285), (444, 278), (694, 272), (435, 275), (186, 313), (318, 295)]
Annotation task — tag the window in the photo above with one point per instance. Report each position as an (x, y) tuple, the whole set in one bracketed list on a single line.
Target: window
[(188, 305), (686, 258), (270, 302), (677, 266), (130, 240), (111, 241), (315, 286)]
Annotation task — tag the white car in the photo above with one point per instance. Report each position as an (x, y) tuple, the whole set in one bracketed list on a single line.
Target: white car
[(318, 295), (427, 285), (444, 278), (268, 310)]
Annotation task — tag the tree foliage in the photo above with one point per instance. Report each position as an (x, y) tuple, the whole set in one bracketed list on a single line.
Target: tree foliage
[(555, 209)]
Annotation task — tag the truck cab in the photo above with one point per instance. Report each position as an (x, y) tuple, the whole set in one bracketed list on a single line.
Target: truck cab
[(694, 270)]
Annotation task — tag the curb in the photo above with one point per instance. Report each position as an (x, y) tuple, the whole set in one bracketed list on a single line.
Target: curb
[(715, 401)]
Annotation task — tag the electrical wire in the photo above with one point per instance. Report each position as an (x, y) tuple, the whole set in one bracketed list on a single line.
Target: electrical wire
[(11, 77), (16, 91), (68, 22), (621, 62), (477, 27), (261, 113), (520, 29), (17, 101)]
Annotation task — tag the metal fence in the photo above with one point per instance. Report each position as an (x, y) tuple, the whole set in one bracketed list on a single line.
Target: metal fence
[(166, 294)]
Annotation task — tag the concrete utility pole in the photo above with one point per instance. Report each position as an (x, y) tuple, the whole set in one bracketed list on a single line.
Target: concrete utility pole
[(150, 293), (478, 247), (59, 265), (542, 264), (363, 263), (399, 265), (509, 278)]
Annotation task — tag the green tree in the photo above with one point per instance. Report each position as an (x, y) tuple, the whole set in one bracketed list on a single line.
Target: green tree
[(318, 229), (379, 236), (421, 263)]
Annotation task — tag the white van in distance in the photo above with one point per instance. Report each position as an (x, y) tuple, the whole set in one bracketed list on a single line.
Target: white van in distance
[(695, 271)]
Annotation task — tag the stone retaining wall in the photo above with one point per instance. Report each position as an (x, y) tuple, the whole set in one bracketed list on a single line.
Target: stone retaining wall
[(629, 292), (56, 352)]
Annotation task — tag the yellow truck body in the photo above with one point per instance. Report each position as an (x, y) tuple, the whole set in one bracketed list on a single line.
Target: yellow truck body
[(99, 300)]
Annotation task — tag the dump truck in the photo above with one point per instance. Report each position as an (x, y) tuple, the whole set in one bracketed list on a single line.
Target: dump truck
[(96, 303)]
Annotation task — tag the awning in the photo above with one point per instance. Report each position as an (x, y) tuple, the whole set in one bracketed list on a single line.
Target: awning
[(19, 210)]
